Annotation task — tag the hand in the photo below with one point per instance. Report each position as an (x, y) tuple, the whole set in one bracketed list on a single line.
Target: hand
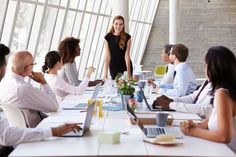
[(38, 77), (65, 128), (90, 70), (186, 126), (151, 82), (163, 101)]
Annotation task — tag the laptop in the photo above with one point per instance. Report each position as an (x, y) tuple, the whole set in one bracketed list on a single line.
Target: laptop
[(87, 123), (151, 131), (82, 106), (150, 106)]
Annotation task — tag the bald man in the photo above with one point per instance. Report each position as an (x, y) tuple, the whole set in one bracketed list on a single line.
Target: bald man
[(11, 136), (33, 102)]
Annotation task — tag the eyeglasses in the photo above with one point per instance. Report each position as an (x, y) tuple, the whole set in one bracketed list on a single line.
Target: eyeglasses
[(32, 64)]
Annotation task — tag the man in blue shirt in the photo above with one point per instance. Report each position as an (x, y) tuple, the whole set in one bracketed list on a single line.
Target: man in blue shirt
[(184, 78)]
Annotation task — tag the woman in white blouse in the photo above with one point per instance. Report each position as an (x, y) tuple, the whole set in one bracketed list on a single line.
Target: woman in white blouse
[(59, 86), (220, 69)]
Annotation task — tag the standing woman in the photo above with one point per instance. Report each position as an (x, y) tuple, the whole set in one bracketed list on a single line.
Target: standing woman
[(117, 49), (220, 70)]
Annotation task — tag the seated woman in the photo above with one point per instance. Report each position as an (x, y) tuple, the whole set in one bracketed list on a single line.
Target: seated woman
[(220, 70), (59, 86), (69, 49)]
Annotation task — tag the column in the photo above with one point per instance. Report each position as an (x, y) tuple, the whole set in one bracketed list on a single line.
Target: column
[(121, 7), (173, 11)]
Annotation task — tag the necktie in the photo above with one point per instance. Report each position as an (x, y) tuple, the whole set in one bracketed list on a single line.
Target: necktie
[(203, 86), (166, 69), (174, 75)]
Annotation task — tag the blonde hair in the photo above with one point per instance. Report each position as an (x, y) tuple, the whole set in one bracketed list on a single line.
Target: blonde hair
[(123, 37)]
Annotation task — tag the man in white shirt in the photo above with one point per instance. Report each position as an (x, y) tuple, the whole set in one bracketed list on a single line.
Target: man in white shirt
[(11, 136), (184, 78), (32, 101), (198, 102)]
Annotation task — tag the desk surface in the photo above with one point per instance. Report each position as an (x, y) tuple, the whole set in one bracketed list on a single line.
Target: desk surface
[(130, 145)]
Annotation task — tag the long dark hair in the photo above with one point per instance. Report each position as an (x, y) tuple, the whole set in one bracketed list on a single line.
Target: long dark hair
[(51, 59), (4, 50), (167, 48), (67, 49), (123, 37), (221, 69)]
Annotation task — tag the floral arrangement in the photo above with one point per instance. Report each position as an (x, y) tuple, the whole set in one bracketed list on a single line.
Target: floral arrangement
[(124, 85)]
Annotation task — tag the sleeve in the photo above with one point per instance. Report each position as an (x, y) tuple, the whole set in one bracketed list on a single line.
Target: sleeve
[(107, 37), (65, 87), (72, 74), (128, 36), (36, 99), (11, 136)]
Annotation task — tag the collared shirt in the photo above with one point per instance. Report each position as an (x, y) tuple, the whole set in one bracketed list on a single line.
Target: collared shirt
[(201, 107), (70, 74), (184, 82), (31, 100), (61, 88), (168, 77), (11, 136)]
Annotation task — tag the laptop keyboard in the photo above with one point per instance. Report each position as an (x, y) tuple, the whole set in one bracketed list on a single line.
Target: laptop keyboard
[(153, 132)]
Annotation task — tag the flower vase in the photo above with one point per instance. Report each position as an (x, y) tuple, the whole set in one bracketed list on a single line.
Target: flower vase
[(124, 100)]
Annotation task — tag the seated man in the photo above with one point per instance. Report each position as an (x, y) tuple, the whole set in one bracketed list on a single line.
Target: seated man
[(32, 101), (184, 78), (199, 102), (11, 136)]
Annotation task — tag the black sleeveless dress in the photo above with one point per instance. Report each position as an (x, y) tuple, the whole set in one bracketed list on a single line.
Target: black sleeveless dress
[(117, 63)]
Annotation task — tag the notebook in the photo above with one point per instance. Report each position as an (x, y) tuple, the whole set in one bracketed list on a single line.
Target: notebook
[(150, 106), (151, 131), (82, 106), (87, 123)]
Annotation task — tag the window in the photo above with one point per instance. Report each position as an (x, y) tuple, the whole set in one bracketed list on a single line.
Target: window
[(39, 26)]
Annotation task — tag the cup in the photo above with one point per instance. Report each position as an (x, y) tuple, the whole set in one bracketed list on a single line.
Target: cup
[(141, 84), (162, 119)]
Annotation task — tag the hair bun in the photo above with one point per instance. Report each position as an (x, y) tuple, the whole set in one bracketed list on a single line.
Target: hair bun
[(4, 50)]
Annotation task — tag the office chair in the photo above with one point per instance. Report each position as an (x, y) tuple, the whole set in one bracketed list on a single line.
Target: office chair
[(14, 115), (160, 70)]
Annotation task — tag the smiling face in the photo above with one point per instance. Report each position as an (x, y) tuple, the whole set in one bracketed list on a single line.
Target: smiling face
[(118, 25)]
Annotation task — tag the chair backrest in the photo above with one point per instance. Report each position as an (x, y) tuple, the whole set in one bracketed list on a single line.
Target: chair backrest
[(160, 70), (14, 115)]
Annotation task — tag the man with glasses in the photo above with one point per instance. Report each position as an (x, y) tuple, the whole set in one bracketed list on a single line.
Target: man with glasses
[(11, 136), (184, 78), (33, 102)]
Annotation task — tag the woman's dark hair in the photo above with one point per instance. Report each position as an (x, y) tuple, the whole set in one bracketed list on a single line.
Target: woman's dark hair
[(167, 48), (67, 49), (221, 69), (51, 59), (4, 50)]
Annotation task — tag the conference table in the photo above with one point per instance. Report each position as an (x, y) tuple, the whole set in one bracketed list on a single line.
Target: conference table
[(131, 144)]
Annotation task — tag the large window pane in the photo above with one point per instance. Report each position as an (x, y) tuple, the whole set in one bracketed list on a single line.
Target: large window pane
[(23, 26)]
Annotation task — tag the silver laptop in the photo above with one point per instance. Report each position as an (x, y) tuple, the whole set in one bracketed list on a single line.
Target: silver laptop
[(151, 131), (87, 123), (150, 108), (82, 106)]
